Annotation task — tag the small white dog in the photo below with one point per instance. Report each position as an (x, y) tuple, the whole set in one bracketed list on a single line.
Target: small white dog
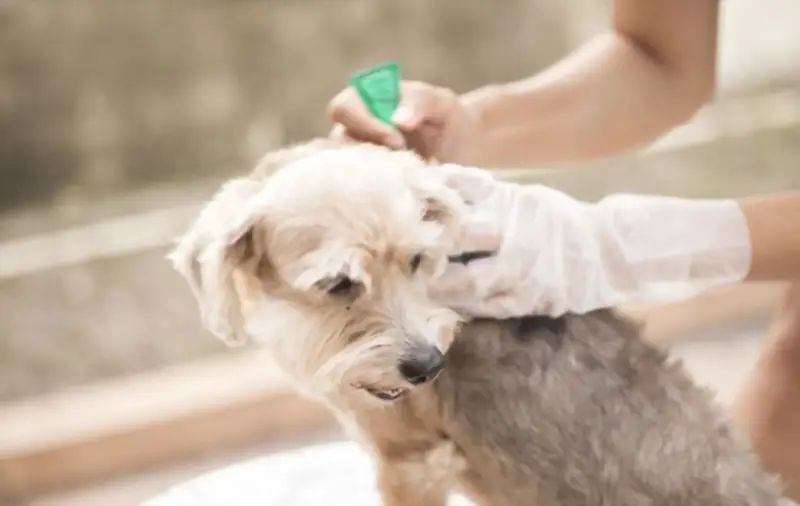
[(327, 254)]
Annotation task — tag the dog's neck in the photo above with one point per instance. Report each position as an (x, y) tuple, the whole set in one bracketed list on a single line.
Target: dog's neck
[(409, 424)]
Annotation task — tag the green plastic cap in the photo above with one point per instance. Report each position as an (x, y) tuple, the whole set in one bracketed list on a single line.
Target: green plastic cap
[(379, 88)]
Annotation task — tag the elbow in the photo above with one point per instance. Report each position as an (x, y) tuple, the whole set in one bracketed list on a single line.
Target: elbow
[(690, 93), (685, 83)]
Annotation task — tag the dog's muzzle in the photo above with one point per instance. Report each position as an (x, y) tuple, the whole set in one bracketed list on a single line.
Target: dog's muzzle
[(387, 395), (419, 366)]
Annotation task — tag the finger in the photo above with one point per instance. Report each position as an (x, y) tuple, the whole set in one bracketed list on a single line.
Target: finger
[(479, 233), (422, 103), (514, 306), (455, 284), (348, 110), (500, 307), (339, 133), (423, 140), (472, 184)]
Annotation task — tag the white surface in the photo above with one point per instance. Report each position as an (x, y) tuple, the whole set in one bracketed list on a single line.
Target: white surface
[(332, 474), (758, 43)]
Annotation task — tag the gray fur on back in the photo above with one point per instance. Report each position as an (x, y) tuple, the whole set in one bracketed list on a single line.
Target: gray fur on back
[(584, 410)]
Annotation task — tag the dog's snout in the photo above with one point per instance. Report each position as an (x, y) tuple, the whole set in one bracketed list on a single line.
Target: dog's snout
[(421, 365)]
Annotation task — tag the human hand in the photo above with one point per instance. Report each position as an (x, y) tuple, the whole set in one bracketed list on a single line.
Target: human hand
[(545, 252), (554, 254), (430, 120)]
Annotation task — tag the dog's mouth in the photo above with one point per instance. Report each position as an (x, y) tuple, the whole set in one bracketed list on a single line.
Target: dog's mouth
[(393, 394), (387, 395)]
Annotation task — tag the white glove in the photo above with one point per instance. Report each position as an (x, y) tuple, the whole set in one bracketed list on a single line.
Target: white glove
[(557, 254)]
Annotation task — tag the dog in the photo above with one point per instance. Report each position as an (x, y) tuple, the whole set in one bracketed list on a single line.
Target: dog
[(327, 256)]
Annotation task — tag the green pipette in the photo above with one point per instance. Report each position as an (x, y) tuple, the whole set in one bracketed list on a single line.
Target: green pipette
[(379, 88)]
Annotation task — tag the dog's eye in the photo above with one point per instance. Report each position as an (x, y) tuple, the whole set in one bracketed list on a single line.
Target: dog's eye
[(416, 261), (338, 286), (342, 286)]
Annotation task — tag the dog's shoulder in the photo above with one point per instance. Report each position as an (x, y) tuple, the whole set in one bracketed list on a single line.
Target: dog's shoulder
[(533, 342), (527, 398)]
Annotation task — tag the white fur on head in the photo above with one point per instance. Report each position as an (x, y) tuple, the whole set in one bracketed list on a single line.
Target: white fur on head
[(204, 255), (216, 244), (342, 304), (333, 249)]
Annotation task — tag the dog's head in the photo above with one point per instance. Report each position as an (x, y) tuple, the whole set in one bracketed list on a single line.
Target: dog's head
[(328, 264)]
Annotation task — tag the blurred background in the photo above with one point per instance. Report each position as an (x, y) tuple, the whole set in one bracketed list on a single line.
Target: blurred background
[(117, 119)]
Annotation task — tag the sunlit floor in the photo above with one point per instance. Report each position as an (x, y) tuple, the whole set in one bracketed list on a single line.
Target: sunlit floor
[(721, 364)]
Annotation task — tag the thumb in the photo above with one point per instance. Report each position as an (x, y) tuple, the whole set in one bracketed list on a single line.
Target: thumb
[(422, 103), (408, 115), (479, 233)]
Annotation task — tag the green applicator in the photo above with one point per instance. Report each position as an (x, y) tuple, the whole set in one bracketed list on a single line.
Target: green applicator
[(379, 88)]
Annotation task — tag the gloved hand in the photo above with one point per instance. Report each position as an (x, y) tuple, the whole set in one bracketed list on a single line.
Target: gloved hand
[(557, 254)]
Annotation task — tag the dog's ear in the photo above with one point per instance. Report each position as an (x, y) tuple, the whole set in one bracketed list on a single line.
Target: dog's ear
[(218, 244), (239, 248)]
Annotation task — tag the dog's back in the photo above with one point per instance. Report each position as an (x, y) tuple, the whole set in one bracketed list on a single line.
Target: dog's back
[(579, 411)]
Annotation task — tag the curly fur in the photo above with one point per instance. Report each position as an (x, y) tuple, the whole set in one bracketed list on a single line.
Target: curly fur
[(326, 255)]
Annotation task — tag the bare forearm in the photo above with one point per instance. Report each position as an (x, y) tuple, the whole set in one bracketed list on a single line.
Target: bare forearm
[(608, 97), (774, 225)]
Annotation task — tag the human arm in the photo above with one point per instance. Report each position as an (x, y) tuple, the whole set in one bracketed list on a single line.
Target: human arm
[(622, 89), (774, 227), (554, 254), (649, 73)]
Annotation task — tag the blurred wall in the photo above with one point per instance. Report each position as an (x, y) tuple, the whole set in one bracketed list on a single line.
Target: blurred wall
[(97, 96), (102, 97)]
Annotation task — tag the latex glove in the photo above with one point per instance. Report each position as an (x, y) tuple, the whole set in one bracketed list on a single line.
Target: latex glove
[(556, 254)]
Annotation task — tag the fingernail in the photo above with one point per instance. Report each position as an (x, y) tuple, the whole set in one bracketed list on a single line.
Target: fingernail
[(403, 115)]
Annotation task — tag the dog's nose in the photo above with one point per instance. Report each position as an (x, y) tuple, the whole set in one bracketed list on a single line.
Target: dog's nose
[(421, 365)]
